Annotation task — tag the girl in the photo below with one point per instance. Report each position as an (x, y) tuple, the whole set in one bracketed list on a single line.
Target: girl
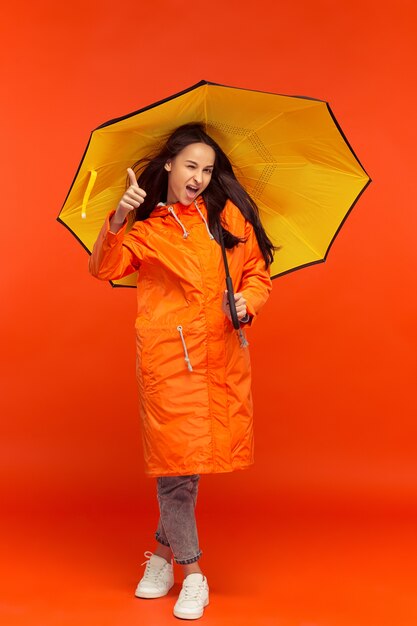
[(193, 375)]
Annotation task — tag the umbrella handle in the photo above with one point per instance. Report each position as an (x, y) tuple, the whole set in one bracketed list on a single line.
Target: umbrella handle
[(90, 185), (232, 305), (229, 285)]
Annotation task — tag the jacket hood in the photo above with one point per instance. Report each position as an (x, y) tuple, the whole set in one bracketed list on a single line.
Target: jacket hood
[(161, 210)]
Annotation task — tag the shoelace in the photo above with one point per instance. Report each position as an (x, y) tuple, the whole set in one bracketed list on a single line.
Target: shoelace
[(192, 591), (150, 574)]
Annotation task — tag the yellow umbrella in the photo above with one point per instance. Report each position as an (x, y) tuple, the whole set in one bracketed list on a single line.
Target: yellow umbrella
[(287, 151)]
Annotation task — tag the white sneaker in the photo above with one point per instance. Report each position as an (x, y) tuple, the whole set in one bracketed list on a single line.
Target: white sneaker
[(157, 579), (194, 596)]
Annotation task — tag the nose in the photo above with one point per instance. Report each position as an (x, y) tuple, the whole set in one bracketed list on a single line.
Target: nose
[(198, 177)]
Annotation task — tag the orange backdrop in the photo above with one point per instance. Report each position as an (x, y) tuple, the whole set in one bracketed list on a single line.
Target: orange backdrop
[(334, 349)]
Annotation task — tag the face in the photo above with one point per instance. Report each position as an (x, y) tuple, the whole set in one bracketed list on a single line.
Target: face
[(189, 173)]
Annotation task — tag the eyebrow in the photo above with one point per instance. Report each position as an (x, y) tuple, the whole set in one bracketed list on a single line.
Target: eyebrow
[(195, 163)]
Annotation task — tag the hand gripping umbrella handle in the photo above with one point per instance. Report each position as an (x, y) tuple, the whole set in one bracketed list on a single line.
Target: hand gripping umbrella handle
[(231, 294), (229, 284), (232, 307), (232, 304)]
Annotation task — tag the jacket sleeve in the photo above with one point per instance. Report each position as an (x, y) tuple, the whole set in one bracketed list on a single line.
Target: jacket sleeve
[(255, 284), (115, 255)]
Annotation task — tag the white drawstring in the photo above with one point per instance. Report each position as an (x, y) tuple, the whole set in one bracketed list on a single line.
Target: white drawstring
[(186, 233), (187, 358), (204, 219)]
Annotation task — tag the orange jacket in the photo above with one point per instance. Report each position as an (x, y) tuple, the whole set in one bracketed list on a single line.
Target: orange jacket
[(194, 378)]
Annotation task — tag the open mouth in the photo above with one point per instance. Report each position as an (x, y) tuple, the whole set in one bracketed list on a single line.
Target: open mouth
[(192, 190)]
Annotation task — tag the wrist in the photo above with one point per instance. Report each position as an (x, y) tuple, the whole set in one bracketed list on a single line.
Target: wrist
[(116, 222), (119, 217)]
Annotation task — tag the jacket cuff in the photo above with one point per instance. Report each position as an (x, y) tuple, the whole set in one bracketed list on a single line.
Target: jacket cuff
[(110, 236), (250, 311)]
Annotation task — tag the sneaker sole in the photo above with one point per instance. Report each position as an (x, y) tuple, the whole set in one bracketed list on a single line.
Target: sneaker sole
[(181, 615)]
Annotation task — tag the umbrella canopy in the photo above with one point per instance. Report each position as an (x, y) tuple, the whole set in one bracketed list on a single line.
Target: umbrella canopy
[(287, 151)]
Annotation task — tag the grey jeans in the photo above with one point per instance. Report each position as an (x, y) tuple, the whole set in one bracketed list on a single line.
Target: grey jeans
[(177, 528)]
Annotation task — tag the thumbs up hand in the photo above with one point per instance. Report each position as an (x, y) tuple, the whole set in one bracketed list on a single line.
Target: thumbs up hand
[(131, 199)]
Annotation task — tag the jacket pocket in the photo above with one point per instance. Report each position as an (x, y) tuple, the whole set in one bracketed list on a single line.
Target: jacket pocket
[(172, 371), (166, 353)]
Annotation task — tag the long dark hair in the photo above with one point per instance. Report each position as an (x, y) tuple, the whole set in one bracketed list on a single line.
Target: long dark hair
[(223, 185)]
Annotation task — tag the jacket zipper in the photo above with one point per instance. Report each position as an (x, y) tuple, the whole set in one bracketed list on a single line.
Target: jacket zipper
[(186, 357)]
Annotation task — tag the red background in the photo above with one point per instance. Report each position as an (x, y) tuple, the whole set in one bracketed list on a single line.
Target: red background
[(333, 351)]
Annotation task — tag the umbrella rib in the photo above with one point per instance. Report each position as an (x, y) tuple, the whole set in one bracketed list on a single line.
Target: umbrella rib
[(269, 121), (361, 175), (296, 233), (252, 132)]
